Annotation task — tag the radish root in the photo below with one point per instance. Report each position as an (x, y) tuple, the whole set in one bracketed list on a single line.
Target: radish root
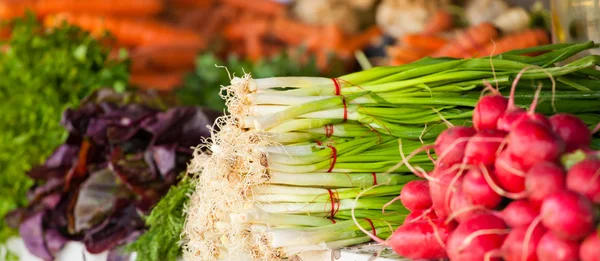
[(481, 232), (497, 188), (528, 235)]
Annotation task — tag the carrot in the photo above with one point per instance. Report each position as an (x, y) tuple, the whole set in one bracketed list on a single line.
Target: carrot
[(360, 41), (254, 47), (469, 42), (406, 53), (439, 22), (103, 7), (163, 57), (524, 39), (292, 32), (10, 9), (423, 41), (129, 32), (158, 81), (264, 7), (257, 27), (192, 3)]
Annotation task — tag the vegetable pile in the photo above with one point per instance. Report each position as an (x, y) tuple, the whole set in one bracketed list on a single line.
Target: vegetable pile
[(516, 186), (43, 73), (122, 154), (310, 163)]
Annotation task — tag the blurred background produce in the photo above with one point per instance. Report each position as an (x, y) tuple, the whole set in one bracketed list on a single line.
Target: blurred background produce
[(164, 37)]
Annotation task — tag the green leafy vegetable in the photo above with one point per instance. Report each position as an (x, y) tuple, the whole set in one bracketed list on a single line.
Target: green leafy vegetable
[(43, 72), (166, 224)]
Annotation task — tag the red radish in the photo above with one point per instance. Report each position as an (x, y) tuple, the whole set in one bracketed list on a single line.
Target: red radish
[(553, 248), (572, 130), (506, 122), (462, 208), (476, 236), (515, 115), (487, 112), (590, 248), (542, 180), (476, 189), (509, 173), (438, 190), (482, 148), (421, 239), (450, 144), (512, 119), (519, 213), (584, 178), (521, 243), (420, 215), (415, 195), (532, 142), (568, 215)]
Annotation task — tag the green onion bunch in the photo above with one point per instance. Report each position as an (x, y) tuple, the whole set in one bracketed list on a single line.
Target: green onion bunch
[(303, 163)]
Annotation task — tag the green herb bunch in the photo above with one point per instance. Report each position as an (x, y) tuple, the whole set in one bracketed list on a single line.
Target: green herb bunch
[(161, 241), (42, 72)]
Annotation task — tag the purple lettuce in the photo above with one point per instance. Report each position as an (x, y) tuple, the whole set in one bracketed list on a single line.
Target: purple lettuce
[(123, 153)]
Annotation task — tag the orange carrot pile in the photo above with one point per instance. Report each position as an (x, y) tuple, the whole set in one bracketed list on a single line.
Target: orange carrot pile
[(479, 40)]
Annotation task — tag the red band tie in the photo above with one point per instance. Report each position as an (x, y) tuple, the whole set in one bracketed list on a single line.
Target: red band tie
[(372, 226), (328, 130), (338, 88), (345, 109), (334, 199), (333, 158), (374, 178)]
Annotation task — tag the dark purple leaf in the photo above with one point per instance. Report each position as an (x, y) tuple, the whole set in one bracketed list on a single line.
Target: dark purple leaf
[(55, 240), (52, 185), (113, 229), (63, 156), (183, 125), (76, 121), (97, 198), (164, 157), (32, 232)]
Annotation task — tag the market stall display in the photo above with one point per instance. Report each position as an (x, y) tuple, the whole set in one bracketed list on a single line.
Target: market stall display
[(455, 131)]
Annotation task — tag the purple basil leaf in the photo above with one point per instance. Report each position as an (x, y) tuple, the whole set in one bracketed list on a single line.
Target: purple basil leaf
[(182, 125), (63, 156), (52, 185), (96, 199), (55, 240), (32, 232), (164, 157), (113, 229)]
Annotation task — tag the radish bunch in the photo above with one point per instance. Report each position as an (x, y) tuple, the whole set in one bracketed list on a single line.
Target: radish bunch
[(500, 192)]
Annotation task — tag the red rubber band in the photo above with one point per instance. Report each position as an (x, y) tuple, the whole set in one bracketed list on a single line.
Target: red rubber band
[(345, 109), (372, 226), (338, 88), (374, 178), (333, 220), (333, 158), (333, 200), (319, 143), (328, 130)]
